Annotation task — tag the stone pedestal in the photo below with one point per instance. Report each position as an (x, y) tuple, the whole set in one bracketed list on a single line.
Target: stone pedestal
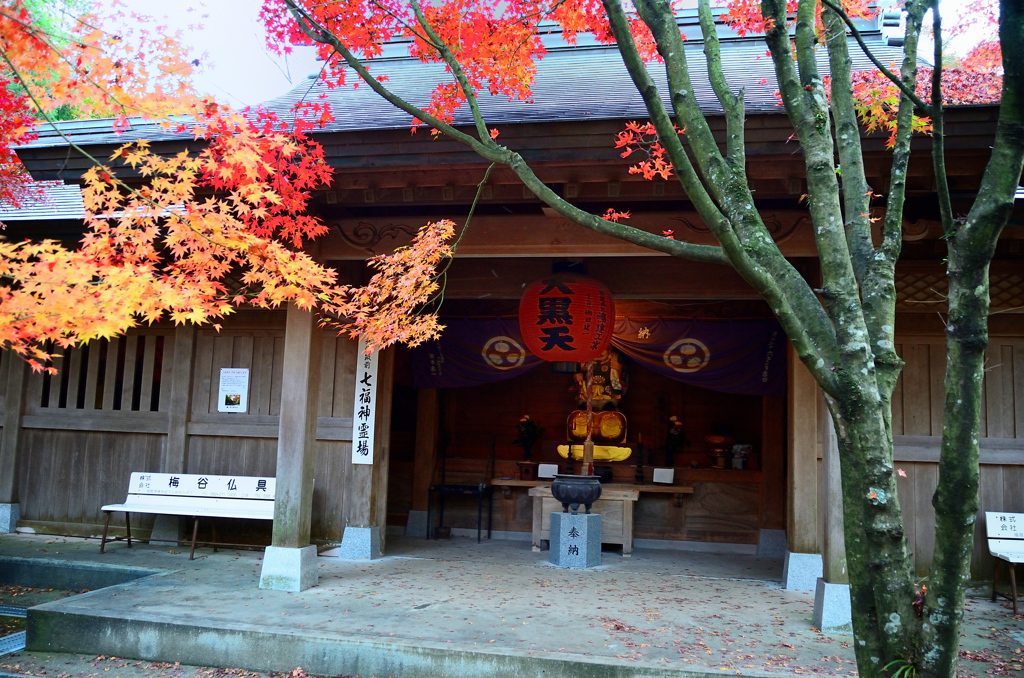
[(832, 608), (9, 516), (771, 544), (289, 569), (575, 539), (166, 531), (801, 571), (360, 543), (416, 524)]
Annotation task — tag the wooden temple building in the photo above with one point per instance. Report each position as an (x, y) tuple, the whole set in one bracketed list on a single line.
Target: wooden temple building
[(147, 401)]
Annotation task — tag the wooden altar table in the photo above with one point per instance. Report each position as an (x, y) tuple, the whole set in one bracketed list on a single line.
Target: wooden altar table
[(615, 507)]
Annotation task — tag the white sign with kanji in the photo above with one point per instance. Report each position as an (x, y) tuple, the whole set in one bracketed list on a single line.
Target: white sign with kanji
[(364, 411), (234, 390), (199, 485), (1004, 525)]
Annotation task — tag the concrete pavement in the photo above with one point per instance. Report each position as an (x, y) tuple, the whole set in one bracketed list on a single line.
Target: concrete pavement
[(457, 608)]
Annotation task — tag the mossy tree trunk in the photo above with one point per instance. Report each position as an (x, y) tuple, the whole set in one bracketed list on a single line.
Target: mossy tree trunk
[(844, 331), (971, 244)]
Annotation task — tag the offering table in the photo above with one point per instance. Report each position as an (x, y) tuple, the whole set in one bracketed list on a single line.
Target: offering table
[(615, 507)]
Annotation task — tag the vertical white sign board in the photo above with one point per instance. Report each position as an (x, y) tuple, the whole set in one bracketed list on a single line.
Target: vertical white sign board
[(364, 411), (234, 390)]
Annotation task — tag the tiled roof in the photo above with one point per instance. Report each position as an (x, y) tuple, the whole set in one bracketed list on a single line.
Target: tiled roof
[(57, 201), (572, 84)]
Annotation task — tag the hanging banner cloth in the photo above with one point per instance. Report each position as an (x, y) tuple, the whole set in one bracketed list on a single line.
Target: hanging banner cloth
[(472, 352), (731, 356)]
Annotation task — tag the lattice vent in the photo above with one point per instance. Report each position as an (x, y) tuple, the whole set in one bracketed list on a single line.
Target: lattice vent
[(921, 291), (928, 291), (1007, 291)]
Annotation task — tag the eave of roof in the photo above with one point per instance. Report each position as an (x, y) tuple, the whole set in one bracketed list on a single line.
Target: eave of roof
[(573, 83), (56, 201)]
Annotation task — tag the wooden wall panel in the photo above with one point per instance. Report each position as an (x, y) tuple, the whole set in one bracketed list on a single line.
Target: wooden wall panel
[(473, 417), (255, 350), (332, 462), (222, 455), (339, 367), (990, 496), (916, 377), (917, 406), (65, 476)]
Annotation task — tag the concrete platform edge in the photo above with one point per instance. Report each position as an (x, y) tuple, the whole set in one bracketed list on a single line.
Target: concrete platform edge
[(51, 629), (72, 575)]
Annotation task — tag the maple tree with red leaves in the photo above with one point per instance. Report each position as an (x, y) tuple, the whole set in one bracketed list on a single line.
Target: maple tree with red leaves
[(160, 251)]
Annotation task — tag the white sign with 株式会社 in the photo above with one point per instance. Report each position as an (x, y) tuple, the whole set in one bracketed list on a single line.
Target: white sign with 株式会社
[(364, 412)]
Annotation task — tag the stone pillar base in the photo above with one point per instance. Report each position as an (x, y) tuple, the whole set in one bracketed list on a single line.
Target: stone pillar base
[(9, 516), (801, 571), (166, 531), (289, 569), (360, 543), (771, 544), (416, 524), (832, 608), (575, 539)]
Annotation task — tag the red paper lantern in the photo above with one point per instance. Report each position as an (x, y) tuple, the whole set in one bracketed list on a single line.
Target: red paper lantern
[(566, 317)]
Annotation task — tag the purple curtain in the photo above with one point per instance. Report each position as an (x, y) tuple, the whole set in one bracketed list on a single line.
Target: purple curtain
[(472, 352), (732, 356)]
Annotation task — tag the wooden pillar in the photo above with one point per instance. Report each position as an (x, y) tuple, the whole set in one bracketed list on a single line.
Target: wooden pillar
[(427, 428), (832, 611), (802, 476), (300, 388), (773, 463), (169, 530), (175, 452), (289, 564), (833, 546), (382, 443), (366, 485), (14, 405), (803, 564)]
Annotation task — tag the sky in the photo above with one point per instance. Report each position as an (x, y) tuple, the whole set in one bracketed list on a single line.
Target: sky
[(238, 69)]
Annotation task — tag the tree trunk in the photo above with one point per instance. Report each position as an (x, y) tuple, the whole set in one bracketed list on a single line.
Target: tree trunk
[(956, 497), (879, 563)]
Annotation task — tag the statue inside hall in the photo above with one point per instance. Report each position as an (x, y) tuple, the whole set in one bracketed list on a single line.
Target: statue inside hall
[(610, 382)]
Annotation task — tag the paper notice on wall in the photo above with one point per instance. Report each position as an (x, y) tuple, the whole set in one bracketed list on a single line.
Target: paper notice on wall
[(364, 413), (234, 390)]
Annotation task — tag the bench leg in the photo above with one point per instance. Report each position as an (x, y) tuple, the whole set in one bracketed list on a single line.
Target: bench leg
[(1013, 584), (479, 514), (213, 526), (995, 578), (106, 526), (195, 531), (128, 527)]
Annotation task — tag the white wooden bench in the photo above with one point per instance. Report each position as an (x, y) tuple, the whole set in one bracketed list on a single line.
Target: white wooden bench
[(195, 496), (1005, 542)]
